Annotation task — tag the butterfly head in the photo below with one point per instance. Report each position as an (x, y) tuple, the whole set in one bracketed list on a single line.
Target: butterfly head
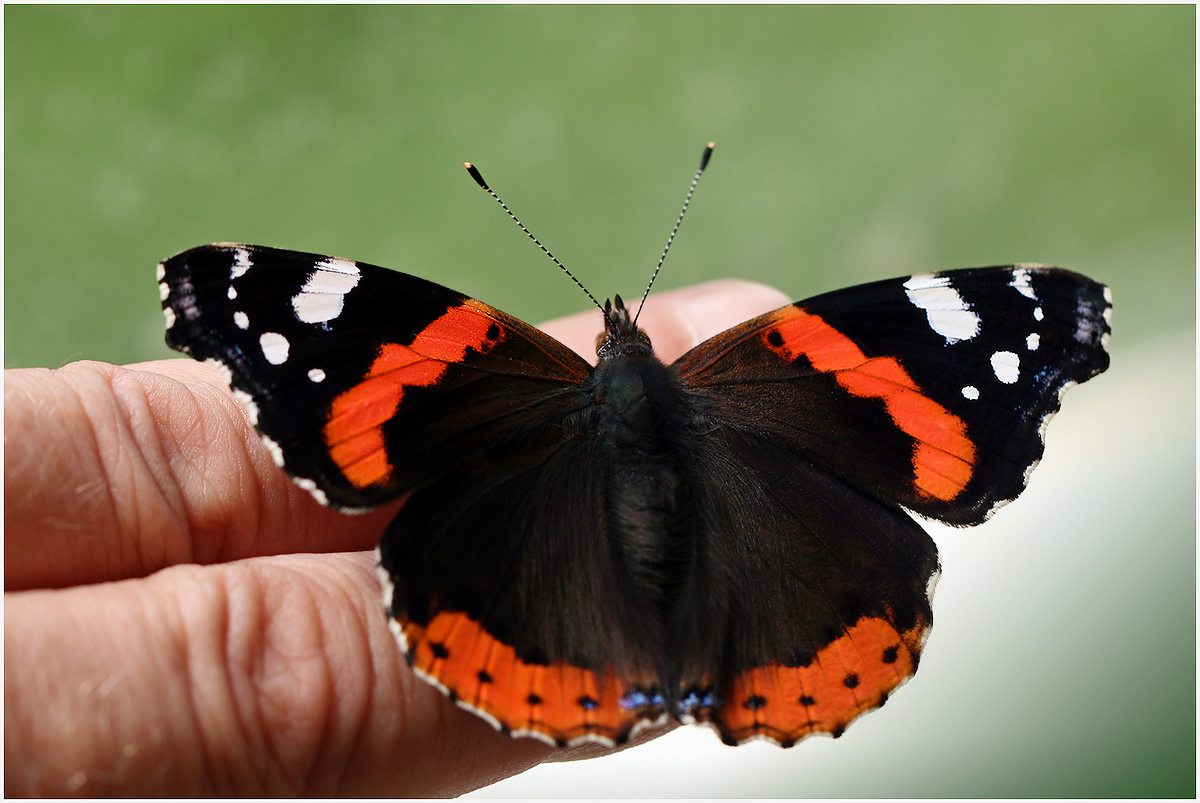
[(621, 335)]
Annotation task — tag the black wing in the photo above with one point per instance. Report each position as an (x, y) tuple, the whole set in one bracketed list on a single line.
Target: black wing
[(807, 603), (931, 391), (809, 599)]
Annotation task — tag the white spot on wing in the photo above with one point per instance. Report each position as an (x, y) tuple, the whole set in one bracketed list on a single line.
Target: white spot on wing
[(1033, 341), (248, 402), (241, 319), (273, 448), (169, 314), (1020, 282), (948, 314), (274, 347), (1007, 366), (163, 291), (930, 587), (1042, 425), (971, 392), (1087, 331), (1038, 314), (241, 263), (320, 300), (311, 487), (316, 374), (385, 580), (224, 369), (401, 639), (232, 292), (160, 272)]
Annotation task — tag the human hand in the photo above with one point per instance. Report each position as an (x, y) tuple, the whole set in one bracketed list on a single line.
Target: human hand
[(182, 619)]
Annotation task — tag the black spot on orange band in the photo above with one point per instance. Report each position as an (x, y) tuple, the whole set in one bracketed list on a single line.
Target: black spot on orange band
[(849, 677), (558, 703)]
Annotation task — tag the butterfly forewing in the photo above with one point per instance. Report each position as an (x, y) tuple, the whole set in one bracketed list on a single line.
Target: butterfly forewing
[(930, 391), (366, 382)]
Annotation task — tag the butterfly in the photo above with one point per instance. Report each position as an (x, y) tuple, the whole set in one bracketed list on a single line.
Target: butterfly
[(586, 551)]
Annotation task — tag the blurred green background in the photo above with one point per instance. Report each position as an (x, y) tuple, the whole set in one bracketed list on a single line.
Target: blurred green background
[(853, 144)]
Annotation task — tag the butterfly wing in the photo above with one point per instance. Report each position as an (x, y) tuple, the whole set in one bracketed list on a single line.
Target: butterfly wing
[(931, 392), (510, 593), (808, 602), (368, 384), (829, 416), (365, 382)]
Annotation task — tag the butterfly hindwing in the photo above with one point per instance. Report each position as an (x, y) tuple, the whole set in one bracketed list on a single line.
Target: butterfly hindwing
[(931, 391), (365, 382), (511, 593), (807, 603)]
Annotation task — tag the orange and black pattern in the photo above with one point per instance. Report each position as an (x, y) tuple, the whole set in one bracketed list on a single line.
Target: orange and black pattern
[(588, 551)]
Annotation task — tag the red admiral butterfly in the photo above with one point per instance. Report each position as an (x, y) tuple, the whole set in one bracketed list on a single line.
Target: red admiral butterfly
[(588, 550)]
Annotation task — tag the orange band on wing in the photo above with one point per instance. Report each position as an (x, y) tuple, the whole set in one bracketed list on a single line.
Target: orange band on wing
[(943, 458), (354, 430), (558, 703), (851, 676)]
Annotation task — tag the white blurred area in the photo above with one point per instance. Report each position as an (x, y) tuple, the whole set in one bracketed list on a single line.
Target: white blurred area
[(1063, 646)]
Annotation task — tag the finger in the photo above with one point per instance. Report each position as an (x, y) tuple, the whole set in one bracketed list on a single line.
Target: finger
[(677, 320), (114, 472), (271, 676)]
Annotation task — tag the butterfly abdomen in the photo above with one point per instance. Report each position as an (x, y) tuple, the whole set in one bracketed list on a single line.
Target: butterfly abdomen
[(637, 400)]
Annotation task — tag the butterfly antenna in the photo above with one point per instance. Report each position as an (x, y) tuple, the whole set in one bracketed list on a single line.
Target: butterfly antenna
[(691, 190), (475, 174)]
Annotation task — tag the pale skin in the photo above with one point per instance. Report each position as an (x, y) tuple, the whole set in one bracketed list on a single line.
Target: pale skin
[(181, 619)]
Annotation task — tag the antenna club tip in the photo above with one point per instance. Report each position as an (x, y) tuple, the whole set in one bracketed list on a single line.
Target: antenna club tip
[(475, 174), (712, 145), (707, 154)]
